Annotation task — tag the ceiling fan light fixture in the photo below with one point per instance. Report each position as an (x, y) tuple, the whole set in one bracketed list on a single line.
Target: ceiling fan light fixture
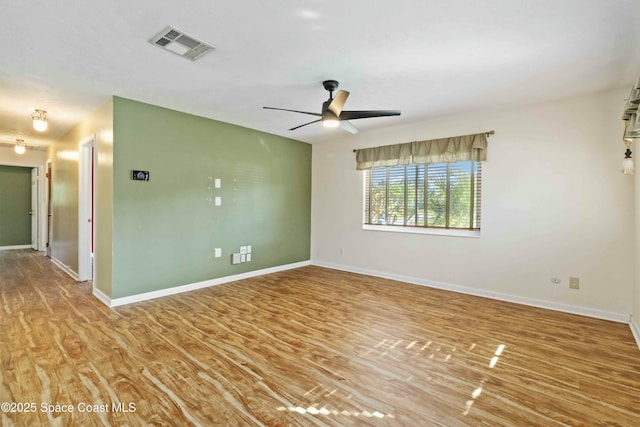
[(20, 146), (333, 115), (330, 122), (40, 121)]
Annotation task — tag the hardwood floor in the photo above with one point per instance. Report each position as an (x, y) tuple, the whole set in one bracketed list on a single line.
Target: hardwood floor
[(305, 347)]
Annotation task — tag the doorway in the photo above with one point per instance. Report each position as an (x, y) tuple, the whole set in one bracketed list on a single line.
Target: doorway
[(86, 205), (18, 209)]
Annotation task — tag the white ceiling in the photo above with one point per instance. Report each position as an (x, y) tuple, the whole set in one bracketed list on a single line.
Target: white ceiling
[(428, 58)]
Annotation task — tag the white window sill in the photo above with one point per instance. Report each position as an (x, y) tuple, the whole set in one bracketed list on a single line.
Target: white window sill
[(421, 230)]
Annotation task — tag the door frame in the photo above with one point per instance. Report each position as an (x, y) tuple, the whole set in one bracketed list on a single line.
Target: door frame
[(86, 204), (35, 199), (48, 213), (42, 223)]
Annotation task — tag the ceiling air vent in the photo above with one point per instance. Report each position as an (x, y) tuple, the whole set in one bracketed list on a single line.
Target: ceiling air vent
[(180, 43)]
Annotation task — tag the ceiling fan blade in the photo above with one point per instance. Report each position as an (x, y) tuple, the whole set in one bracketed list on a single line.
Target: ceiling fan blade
[(365, 114), (338, 102), (349, 127), (293, 111), (315, 121)]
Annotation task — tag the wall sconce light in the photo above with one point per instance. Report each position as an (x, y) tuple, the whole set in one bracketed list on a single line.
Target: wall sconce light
[(20, 146), (627, 162), (40, 120), (631, 128)]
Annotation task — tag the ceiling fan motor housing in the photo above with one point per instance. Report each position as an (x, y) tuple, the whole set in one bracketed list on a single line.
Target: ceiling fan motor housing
[(330, 85)]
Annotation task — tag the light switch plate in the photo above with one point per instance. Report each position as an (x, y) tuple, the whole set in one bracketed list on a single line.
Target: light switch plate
[(218, 252), (218, 201), (249, 249), (217, 183), (248, 257)]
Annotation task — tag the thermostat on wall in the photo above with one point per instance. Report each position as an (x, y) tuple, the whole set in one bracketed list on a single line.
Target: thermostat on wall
[(140, 175)]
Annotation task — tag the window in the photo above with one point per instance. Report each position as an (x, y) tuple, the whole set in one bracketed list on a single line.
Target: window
[(435, 195)]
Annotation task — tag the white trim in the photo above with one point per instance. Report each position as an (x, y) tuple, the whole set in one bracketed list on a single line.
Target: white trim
[(635, 330), (573, 309), (64, 268), (42, 209), (86, 164), (35, 240), (48, 231), (193, 286), (423, 230), (102, 297), (42, 215), (10, 248)]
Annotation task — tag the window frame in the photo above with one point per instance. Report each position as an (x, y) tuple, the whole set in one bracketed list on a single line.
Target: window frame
[(474, 194)]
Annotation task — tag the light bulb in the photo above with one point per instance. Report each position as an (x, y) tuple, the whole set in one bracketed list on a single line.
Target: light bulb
[(330, 123), (40, 120), (20, 147), (627, 166), (40, 125)]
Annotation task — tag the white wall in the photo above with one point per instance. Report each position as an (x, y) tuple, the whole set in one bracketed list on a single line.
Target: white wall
[(31, 158), (554, 204)]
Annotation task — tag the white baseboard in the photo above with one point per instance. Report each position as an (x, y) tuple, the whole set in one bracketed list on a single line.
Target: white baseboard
[(65, 268), (583, 311), (193, 286), (635, 329), (10, 248), (102, 296)]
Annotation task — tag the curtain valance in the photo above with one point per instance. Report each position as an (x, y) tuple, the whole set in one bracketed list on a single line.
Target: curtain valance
[(443, 150)]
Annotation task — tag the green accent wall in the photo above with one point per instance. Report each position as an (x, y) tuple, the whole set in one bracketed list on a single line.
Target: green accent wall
[(15, 204), (165, 229)]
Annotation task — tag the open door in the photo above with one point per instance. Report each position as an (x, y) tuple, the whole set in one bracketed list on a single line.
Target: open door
[(34, 208)]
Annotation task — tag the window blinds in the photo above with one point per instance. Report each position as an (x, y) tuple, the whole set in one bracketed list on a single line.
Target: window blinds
[(434, 195)]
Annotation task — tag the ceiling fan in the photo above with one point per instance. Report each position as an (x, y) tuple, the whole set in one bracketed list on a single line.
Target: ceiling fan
[(332, 113)]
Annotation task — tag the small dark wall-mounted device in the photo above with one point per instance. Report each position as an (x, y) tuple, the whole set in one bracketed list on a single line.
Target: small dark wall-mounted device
[(140, 175)]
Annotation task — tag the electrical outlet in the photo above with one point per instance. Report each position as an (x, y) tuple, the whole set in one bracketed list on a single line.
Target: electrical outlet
[(249, 249), (243, 249), (574, 283)]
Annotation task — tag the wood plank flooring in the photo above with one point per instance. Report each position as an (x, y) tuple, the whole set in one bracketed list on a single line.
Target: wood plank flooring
[(306, 347)]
